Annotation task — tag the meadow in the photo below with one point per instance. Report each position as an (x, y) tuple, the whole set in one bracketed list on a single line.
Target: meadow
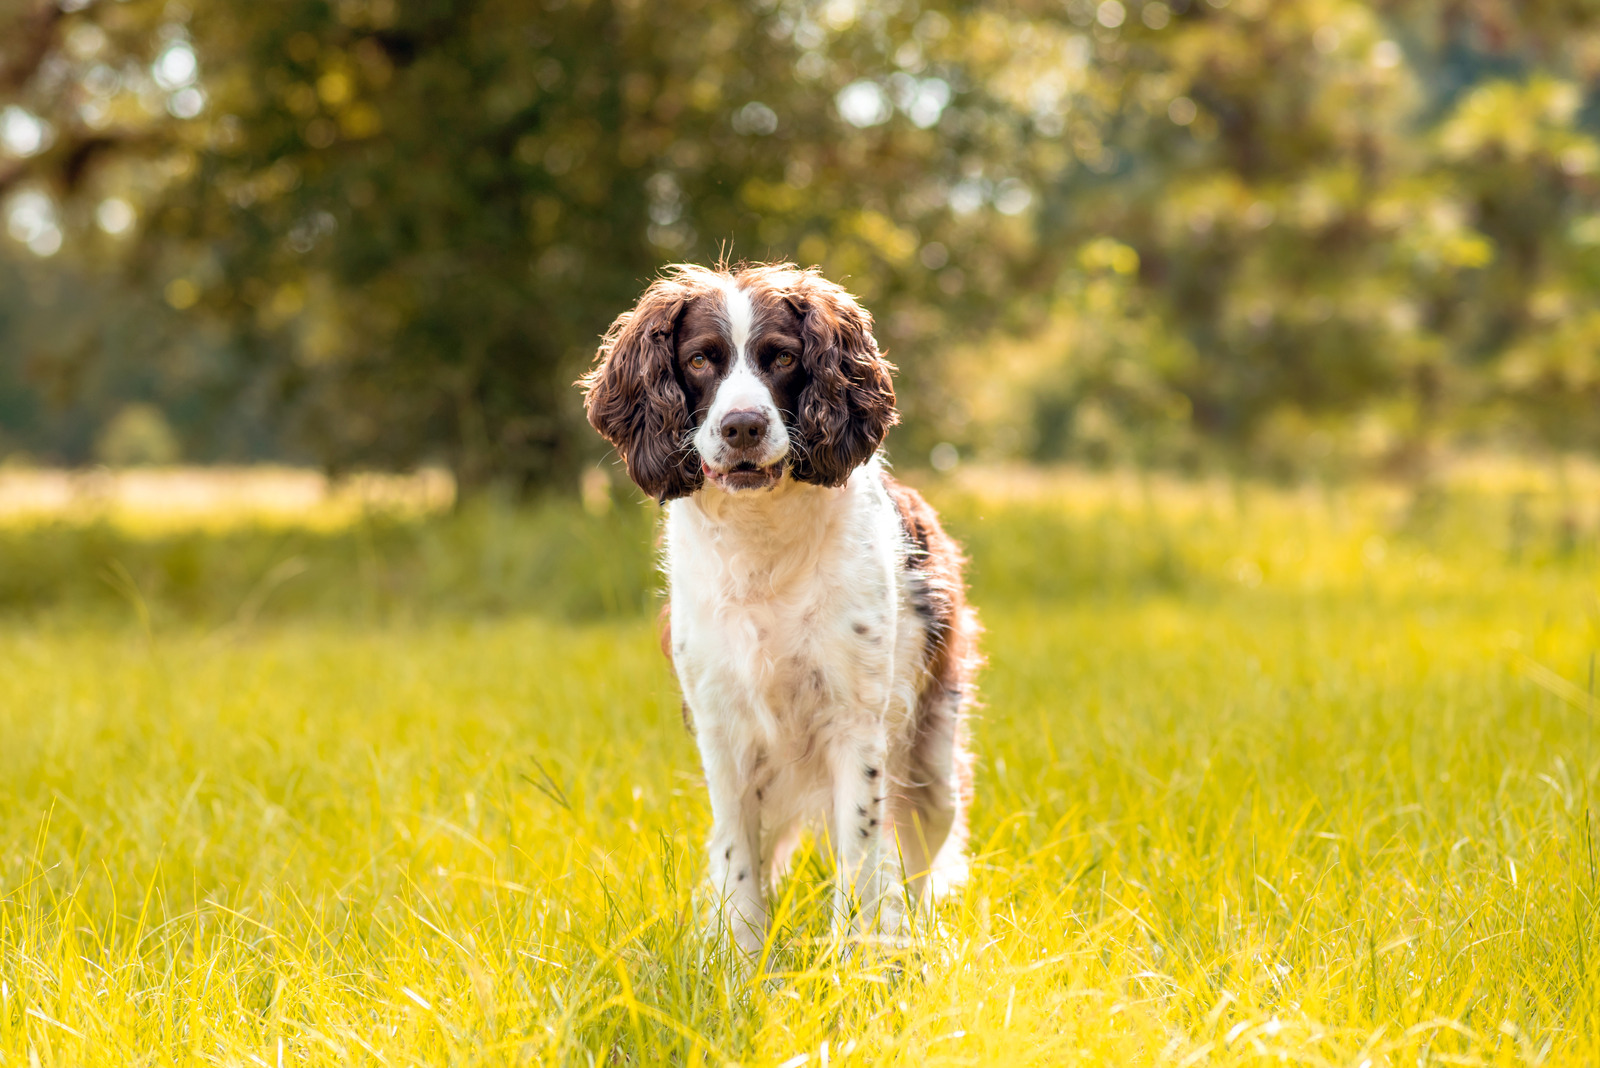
[(1266, 775)]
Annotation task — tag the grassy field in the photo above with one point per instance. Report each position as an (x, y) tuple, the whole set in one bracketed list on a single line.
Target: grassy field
[(1265, 777)]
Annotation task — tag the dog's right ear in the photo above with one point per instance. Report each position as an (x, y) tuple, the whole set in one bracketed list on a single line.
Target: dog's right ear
[(633, 398)]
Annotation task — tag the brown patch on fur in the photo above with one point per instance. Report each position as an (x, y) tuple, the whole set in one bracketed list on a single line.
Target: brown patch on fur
[(940, 597), (841, 406), (935, 563), (846, 406)]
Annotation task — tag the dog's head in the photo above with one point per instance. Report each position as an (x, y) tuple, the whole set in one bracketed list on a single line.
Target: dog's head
[(736, 376)]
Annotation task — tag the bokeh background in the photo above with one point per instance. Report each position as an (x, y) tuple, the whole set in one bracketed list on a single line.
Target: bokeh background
[(1249, 349), (1318, 236)]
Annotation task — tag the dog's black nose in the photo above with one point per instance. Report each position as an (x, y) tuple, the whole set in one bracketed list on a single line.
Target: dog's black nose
[(744, 429)]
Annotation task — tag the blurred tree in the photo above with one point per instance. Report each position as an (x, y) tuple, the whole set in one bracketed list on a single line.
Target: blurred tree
[(414, 219), (1341, 214), (392, 230)]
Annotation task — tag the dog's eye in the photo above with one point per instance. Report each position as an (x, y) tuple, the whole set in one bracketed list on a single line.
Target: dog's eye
[(785, 359), (698, 361)]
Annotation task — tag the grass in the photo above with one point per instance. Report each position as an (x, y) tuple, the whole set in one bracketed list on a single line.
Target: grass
[(1265, 777)]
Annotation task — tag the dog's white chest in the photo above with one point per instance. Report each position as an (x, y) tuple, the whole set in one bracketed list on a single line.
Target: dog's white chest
[(769, 641), (794, 657)]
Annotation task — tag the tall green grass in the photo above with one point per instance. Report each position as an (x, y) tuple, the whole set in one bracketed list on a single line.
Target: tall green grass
[(1264, 778)]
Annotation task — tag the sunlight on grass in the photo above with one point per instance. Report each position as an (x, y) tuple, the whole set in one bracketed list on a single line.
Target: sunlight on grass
[(1264, 777), (216, 498)]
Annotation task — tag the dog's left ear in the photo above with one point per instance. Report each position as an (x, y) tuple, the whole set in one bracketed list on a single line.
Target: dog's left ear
[(847, 407)]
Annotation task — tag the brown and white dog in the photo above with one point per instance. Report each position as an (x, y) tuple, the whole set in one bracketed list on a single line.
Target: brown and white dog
[(818, 619)]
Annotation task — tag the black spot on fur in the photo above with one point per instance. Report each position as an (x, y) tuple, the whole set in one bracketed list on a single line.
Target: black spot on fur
[(861, 810), (864, 832), (932, 570), (926, 601), (860, 628), (744, 872), (872, 823), (729, 854), (872, 773)]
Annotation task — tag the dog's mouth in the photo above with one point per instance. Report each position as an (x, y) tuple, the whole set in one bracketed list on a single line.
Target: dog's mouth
[(744, 476)]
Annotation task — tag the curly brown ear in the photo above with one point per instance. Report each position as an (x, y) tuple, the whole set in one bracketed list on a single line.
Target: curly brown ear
[(848, 406), (633, 398)]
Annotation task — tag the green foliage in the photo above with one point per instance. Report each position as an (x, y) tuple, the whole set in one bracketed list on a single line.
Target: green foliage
[(1345, 216), (383, 231)]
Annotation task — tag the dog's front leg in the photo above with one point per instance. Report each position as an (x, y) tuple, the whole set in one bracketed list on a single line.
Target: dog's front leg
[(867, 898), (736, 877)]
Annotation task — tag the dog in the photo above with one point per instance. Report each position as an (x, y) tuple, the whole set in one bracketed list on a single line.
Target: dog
[(817, 613)]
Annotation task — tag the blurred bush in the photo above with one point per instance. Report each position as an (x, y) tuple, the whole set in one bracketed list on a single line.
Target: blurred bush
[(1034, 538), (380, 232), (489, 556), (138, 434)]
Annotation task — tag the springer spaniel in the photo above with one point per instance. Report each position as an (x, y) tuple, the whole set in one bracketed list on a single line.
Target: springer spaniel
[(818, 620)]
